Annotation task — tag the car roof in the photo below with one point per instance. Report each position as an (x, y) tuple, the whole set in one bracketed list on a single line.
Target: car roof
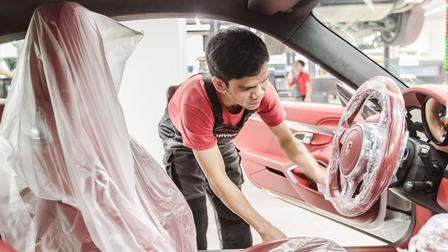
[(17, 14), (289, 21)]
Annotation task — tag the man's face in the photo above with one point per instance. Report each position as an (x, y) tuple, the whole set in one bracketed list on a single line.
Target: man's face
[(298, 68), (247, 92)]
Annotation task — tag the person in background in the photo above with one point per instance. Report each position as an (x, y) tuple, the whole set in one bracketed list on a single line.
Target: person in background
[(4, 70), (204, 115), (5, 79), (300, 84), (6, 73)]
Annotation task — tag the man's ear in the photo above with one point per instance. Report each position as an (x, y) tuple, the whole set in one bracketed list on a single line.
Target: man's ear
[(219, 84)]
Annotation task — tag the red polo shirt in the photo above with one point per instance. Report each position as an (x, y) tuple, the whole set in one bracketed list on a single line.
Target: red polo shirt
[(191, 113), (301, 79)]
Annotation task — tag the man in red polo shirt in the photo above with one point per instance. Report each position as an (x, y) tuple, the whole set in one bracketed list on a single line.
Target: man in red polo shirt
[(204, 115), (300, 84)]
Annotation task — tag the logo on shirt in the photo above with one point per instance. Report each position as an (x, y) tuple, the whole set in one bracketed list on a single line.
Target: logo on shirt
[(226, 135)]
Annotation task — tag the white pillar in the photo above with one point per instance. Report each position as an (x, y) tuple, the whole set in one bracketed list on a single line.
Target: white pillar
[(158, 62)]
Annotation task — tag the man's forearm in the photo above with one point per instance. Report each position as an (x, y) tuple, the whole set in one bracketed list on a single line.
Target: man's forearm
[(6, 73), (234, 199), (287, 84), (213, 166), (300, 155)]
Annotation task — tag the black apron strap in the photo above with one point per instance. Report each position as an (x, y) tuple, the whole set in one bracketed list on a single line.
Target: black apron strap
[(210, 89), (217, 106), (211, 92), (247, 113)]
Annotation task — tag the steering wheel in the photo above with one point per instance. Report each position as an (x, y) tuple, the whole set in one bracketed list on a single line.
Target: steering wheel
[(365, 156)]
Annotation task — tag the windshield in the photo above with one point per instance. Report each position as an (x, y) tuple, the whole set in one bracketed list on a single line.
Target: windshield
[(406, 37)]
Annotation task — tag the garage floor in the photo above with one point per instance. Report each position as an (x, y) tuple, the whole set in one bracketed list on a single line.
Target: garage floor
[(293, 221)]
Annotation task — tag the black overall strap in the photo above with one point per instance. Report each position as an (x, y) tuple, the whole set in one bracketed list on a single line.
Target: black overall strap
[(211, 92), (217, 106), (245, 116)]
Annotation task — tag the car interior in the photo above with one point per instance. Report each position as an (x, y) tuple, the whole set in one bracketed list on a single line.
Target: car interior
[(393, 183)]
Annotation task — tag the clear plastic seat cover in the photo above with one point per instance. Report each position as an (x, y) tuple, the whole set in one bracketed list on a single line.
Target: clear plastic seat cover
[(433, 236), (71, 177)]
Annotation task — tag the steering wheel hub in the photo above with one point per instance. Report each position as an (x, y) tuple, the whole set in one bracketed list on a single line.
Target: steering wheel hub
[(351, 149)]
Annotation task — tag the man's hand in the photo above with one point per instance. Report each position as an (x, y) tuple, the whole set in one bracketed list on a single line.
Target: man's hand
[(287, 84), (320, 175), (6, 73), (272, 234)]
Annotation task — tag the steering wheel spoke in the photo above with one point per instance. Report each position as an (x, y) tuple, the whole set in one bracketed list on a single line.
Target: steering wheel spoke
[(349, 186)]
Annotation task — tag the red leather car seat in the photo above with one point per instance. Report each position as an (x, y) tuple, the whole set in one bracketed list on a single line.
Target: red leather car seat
[(4, 247)]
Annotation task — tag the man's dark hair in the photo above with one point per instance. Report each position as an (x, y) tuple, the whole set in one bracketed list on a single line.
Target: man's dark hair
[(301, 62), (235, 53)]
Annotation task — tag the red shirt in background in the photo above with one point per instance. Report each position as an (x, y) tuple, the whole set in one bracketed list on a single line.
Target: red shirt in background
[(301, 79)]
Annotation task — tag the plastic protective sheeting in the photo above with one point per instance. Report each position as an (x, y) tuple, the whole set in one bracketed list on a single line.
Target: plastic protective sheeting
[(376, 149), (309, 244), (433, 236), (297, 244), (71, 179)]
